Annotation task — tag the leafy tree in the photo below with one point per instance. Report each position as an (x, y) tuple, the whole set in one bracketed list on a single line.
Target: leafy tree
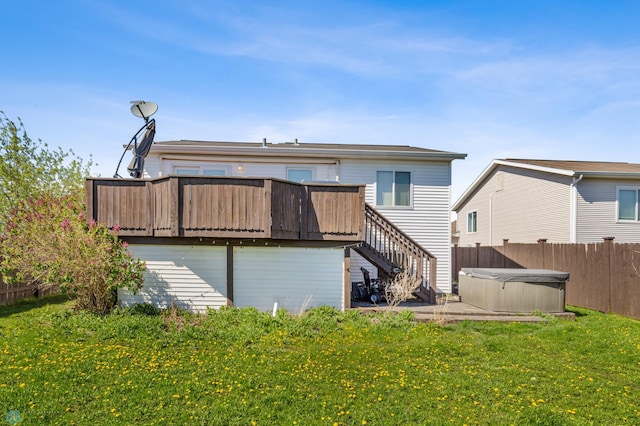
[(44, 235), (29, 168)]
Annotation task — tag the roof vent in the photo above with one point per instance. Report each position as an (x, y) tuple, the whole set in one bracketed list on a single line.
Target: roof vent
[(264, 142), (295, 142)]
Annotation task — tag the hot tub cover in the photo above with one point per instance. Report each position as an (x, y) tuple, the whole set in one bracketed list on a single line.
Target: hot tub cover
[(523, 275)]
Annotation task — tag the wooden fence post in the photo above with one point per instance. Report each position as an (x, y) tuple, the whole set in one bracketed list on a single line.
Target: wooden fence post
[(608, 247), (347, 278), (541, 242)]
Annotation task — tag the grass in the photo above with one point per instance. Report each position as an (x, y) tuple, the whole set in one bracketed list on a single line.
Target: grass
[(243, 367)]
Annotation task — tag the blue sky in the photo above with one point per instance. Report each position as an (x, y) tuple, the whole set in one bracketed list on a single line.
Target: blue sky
[(492, 79)]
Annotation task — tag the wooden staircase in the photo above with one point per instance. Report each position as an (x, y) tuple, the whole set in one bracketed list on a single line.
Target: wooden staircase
[(391, 250)]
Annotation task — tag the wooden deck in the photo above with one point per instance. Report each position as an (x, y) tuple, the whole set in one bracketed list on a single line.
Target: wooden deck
[(227, 207)]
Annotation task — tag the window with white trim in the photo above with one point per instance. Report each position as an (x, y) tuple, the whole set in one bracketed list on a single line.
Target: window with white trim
[(213, 172), (627, 204), (187, 171), (393, 189), (202, 171), (472, 222), (300, 175)]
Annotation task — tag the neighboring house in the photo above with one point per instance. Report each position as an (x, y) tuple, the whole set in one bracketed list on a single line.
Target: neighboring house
[(405, 188), (524, 201)]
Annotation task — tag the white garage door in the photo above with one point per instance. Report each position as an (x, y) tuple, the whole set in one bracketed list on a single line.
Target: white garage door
[(295, 278), (191, 277)]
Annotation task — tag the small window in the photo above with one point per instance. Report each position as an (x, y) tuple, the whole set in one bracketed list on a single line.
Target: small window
[(472, 222), (300, 175), (202, 171), (393, 189), (628, 204), (213, 172), (186, 171)]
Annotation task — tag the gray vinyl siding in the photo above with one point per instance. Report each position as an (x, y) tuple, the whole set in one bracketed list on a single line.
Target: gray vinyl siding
[(519, 205), (321, 171), (428, 220), (294, 278), (190, 277), (597, 212), (151, 168)]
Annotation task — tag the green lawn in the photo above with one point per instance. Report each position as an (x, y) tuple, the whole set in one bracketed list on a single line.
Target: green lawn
[(244, 367)]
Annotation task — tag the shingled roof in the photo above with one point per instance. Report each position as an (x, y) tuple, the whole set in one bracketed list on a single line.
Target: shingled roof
[(581, 166), (303, 149)]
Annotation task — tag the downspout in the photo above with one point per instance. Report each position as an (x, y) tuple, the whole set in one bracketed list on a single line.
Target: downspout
[(490, 220), (573, 225)]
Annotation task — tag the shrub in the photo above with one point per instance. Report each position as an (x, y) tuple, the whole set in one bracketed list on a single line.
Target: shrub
[(47, 241)]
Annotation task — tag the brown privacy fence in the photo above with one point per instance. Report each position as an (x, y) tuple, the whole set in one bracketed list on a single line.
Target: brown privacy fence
[(13, 293), (603, 276)]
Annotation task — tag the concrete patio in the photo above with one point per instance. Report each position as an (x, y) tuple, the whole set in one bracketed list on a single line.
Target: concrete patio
[(453, 310)]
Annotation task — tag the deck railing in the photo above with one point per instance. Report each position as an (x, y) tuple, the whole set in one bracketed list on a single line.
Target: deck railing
[(227, 207), (391, 249)]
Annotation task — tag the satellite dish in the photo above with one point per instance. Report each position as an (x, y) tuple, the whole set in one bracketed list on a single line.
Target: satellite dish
[(143, 109), (142, 140)]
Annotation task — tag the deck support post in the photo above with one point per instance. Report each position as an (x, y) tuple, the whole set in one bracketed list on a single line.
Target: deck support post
[(347, 278), (229, 275)]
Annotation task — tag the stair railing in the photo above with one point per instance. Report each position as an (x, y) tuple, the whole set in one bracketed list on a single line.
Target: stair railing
[(397, 248)]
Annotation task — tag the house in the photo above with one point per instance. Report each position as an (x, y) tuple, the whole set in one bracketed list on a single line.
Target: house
[(524, 201), (279, 224)]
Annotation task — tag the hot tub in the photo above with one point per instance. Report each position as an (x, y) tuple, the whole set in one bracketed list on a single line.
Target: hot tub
[(513, 290)]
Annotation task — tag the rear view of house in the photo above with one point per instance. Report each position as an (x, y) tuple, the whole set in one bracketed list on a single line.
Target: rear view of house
[(524, 201), (287, 225)]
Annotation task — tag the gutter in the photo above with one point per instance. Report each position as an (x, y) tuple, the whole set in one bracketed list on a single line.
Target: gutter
[(312, 153)]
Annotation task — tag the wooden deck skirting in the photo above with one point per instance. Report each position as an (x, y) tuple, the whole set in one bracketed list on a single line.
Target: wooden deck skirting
[(390, 248), (227, 207)]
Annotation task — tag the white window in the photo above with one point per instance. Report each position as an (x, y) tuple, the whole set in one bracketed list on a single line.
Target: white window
[(300, 175), (393, 189), (187, 171), (213, 172), (202, 171), (472, 222), (628, 204)]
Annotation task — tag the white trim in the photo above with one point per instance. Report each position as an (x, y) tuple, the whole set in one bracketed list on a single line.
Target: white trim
[(393, 191), (637, 212), (249, 159), (476, 221)]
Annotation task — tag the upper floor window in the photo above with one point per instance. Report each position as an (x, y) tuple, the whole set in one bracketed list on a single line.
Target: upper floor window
[(186, 171), (628, 203), (393, 189), (300, 175), (472, 222), (204, 171)]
